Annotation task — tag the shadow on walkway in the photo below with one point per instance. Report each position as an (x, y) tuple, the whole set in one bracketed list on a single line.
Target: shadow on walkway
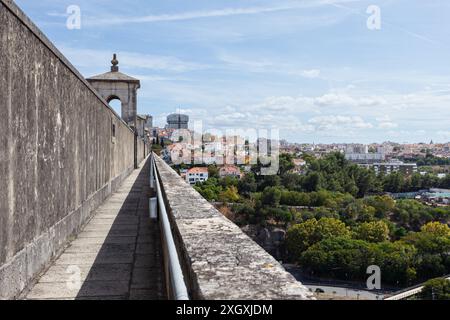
[(129, 261)]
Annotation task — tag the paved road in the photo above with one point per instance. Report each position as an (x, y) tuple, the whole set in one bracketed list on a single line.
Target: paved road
[(346, 293), (116, 256), (335, 288)]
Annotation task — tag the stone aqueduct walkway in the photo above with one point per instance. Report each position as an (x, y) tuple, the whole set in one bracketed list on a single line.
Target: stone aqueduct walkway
[(117, 255)]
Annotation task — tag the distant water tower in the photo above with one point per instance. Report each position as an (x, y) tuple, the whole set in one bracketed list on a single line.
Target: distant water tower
[(177, 121)]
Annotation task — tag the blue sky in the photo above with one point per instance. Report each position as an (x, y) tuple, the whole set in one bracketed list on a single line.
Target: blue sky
[(310, 68)]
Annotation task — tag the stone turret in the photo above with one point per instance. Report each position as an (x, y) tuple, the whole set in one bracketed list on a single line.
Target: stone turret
[(117, 85)]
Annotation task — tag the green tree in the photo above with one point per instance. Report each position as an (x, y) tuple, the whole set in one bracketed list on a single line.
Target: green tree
[(358, 211), (394, 182), (209, 189), (292, 181), (366, 182), (285, 163), (280, 214), (375, 231), (396, 260), (207, 193), (331, 227), (245, 209), (156, 148), (293, 198), (436, 289), (312, 182), (383, 205), (433, 248), (345, 258), (412, 214), (318, 199), (229, 181), (213, 171), (301, 236), (271, 196), (230, 194), (338, 257), (247, 184), (431, 265), (436, 228), (268, 181)]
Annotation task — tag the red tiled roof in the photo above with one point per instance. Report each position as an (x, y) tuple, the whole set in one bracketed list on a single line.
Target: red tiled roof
[(198, 170), (230, 169)]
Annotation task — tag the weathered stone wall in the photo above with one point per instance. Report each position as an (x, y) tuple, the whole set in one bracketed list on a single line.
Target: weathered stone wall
[(142, 150), (219, 260), (271, 239), (58, 158)]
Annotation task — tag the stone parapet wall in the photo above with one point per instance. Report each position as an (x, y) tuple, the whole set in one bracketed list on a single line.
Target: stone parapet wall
[(218, 259)]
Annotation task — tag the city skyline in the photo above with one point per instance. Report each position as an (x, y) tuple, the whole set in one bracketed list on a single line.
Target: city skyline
[(310, 68)]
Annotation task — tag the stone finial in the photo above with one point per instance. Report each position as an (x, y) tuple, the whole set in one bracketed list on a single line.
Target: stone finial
[(114, 62)]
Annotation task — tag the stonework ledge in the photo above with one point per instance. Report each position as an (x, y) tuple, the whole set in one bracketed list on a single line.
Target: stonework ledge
[(220, 261)]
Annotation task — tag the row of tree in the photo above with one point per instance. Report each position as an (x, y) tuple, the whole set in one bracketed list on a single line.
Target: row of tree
[(332, 173), (428, 160), (329, 248), (292, 206), (335, 173)]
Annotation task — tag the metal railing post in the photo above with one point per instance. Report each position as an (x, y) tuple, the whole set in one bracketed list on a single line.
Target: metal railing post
[(152, 175), (177, 285)]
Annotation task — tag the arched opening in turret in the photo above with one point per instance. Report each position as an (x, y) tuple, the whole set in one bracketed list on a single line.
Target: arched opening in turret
[(115, 103)]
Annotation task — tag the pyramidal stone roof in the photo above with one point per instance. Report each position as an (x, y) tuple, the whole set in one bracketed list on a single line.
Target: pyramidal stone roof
[(111, 76), (114, 74)]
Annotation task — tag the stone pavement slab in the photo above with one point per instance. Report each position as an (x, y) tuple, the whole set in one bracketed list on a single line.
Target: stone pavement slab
[(116, 256)]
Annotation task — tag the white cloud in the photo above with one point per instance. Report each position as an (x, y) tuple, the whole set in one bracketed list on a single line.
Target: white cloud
[(260, 65), (337, 122), (344, 99), (385, 122), (255, 65), (186, 15), (314, 73), (117, 20), (90, 58), (387, 125), (318, 118), (408, 136), (286, 104), (383, 118), (444, 135), (334, 113)]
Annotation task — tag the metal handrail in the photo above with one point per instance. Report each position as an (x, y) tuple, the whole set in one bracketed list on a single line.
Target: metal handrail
[(176, 278)]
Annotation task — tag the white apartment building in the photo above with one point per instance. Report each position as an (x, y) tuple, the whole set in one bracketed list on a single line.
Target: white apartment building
[(197, 174)]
